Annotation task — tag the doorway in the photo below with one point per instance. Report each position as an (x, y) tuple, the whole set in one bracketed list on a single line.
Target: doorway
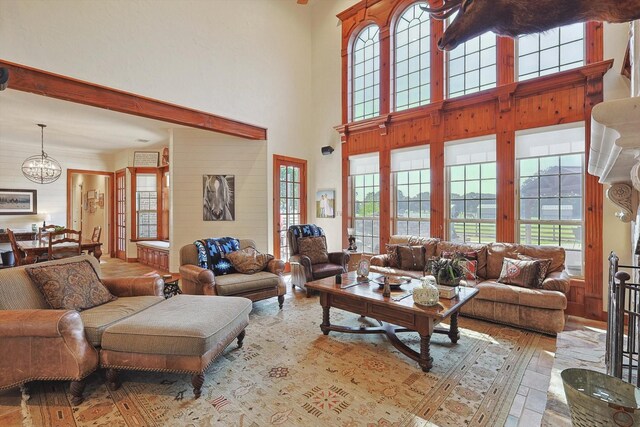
[(290, 200), (90, 204)]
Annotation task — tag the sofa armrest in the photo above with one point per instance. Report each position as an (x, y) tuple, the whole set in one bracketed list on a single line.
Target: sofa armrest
[(557, 281), (43, 344), (135, 286), (197, 280), (380, 260), (275, 266), (340, 258)]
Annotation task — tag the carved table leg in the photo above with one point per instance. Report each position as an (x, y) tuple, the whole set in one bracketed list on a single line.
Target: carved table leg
[(77, 388), (196, 381), (97, 252), (280, 300), (454, 332), (112, 379), (241, 338), (325, 320), (426, 361), (308, 292)]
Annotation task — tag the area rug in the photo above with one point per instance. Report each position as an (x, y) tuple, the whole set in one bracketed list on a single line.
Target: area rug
[(289, 374)]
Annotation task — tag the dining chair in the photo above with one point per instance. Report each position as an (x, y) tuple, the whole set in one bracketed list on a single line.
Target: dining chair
[(18, 255), (63, 237), (97, 232), (43, 232)]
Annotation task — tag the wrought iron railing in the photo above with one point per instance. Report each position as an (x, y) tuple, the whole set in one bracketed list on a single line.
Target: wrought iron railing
[(623, 344)]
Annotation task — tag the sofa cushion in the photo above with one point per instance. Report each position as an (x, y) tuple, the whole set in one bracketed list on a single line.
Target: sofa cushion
[(233, 284), (99, 318), (519, 272), (554, 253), (411, 257), (186, 325), (493, 291), (325, 270), (315, 248), (467, 247), (429, 243), (392, 255), (73, 286), (249, 260)]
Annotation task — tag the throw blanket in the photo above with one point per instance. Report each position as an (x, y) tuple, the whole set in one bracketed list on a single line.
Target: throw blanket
[(212, 254), (306, 230)]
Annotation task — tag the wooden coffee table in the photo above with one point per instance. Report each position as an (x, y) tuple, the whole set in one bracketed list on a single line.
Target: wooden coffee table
[(394, 314)]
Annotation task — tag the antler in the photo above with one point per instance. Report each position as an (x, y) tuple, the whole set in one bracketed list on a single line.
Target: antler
[(443, 12)]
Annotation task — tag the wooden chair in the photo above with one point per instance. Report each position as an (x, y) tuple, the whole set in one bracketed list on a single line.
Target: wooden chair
[(18, 255), (97, 232), (61, 237), (43, 232)]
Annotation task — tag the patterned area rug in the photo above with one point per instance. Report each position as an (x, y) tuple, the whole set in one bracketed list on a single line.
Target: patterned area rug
[(289, 374)]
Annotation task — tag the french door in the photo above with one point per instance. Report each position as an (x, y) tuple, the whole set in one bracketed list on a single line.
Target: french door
[(290, 200), (121, 214)]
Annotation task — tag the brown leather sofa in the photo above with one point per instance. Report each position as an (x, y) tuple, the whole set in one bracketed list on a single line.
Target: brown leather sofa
[(536, 309), (258, 286), (140, 330)]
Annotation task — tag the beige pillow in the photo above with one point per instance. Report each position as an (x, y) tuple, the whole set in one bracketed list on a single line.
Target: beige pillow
[(249, 260), (315, 248), (411, 257), (73, 286), (519, 273)]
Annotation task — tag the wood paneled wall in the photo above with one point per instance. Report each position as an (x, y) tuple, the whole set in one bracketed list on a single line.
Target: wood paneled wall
[(564, 97)]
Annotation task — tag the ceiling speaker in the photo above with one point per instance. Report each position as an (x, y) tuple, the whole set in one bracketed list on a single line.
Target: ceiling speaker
[(4, 78), (326, 150)]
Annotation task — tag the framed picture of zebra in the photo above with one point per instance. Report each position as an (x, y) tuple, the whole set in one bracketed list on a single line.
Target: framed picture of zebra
[(218, 201)]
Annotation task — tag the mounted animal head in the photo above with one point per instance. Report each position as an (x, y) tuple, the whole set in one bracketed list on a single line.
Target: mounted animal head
[(519, 17), (217, 196)]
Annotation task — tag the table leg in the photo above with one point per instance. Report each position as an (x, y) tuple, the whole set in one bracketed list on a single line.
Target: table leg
[(325, 320), (426, 361), (97, 252), (454, 332), (30, 258)]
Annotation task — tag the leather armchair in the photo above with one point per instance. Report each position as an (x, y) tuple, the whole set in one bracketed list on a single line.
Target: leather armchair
[(302, 271)]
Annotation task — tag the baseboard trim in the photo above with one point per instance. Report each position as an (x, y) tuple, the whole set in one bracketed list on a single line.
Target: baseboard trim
[(132, 259)]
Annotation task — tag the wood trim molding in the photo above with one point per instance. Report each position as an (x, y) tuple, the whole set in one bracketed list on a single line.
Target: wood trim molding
[(40, 82)]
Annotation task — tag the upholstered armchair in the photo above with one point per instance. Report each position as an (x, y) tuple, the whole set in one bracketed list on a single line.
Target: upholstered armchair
[(309, 258)]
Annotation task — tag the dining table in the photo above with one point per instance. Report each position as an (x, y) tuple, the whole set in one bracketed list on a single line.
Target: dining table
[(34, 249)]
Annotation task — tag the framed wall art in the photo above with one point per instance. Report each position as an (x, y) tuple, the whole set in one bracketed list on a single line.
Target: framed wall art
[(146, 159), (18, 202), (218, 198), (325, 203)]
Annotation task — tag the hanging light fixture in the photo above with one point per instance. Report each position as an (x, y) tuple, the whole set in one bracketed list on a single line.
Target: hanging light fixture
[(41, 168)]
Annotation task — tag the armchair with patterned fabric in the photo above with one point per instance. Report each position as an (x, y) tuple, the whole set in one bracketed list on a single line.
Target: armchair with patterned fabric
[(310, 259)]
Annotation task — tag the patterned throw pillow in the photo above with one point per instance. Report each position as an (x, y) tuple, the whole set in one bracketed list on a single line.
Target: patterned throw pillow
[(217, 250), (411, 257), (519, 273), (249, 260), (73, 286), (392, 255), (543, 268), (315, 248)]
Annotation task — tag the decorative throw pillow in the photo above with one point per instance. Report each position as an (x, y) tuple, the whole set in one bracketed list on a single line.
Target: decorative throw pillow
[(392, 255), (519, 273), (249, 260), (73, 286), (543, 267), (315, 248), (411, 257), (217, 250)]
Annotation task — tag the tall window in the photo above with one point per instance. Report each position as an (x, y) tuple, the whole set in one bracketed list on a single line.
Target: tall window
[(365, 184), (551, 173), (413, 63), (411, 191), (471, 67), (471, 171), (147, 205), (366, 74), (555, 50)]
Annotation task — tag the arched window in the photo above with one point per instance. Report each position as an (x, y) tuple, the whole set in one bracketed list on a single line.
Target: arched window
[(365, 83), (412, 61)]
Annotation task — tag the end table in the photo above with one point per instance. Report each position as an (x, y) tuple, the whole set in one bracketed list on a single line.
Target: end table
[(171, 286)]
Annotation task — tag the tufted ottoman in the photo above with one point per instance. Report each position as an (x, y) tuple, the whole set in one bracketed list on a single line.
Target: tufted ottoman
[(182, 334)]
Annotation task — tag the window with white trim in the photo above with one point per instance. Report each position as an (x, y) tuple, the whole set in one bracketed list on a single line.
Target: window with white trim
[(365, 196), (411, 175), (471, 190), (555, 50), (412, 58), (365, 82), (550, 173)]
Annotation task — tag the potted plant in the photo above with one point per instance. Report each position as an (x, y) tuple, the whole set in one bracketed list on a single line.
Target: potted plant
[(448, 271)]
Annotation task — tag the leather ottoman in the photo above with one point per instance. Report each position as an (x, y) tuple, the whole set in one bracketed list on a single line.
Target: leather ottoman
[(182, 334)]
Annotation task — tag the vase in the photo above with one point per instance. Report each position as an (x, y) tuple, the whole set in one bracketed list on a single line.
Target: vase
[(428, 293), (444, 279)]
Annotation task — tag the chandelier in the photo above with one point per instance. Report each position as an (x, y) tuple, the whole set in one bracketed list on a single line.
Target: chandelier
[(41, 168)]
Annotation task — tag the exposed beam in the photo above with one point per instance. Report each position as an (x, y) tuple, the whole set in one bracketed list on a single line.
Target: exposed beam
[(32, 80)]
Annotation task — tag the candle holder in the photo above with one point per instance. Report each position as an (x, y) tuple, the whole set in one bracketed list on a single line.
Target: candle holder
[(352, 240)]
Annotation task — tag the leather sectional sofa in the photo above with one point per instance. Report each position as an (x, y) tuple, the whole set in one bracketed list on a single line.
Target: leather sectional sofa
[(536, 309)]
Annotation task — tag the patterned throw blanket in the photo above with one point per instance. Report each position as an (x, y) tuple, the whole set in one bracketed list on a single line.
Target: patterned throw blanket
[(306, 230), (212, 254)]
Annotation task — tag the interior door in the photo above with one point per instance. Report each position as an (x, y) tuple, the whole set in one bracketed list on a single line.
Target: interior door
[(121, 214), (290, 200)]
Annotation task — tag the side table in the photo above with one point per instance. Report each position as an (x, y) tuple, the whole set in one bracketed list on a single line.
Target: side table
[(354, 259), (171, 285)]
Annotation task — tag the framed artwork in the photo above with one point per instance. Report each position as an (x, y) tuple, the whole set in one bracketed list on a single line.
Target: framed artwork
[(146, 159), (85, 201), (218, 198), (325, 203), (363, 268), (92, 194), (101, 200), (18, 202)]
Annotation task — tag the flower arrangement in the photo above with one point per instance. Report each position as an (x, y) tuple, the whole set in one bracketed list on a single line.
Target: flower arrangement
[(448, 271)]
